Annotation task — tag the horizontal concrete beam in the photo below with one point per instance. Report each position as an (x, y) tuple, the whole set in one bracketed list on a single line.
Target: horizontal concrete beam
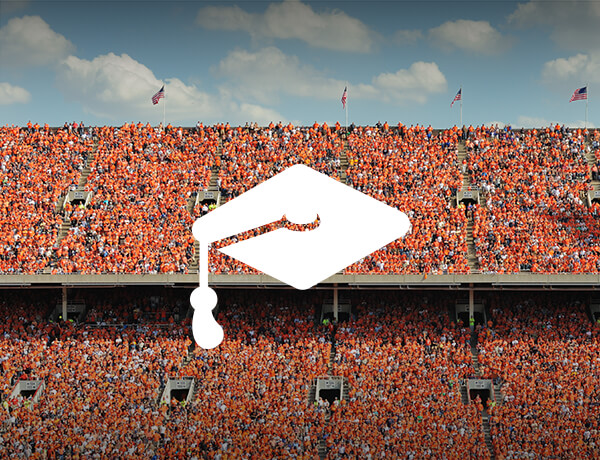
[(521, 280)]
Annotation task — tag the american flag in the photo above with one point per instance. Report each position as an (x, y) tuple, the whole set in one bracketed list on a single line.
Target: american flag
[(458, 97), (158, 95), (344, 97), (579, 94)]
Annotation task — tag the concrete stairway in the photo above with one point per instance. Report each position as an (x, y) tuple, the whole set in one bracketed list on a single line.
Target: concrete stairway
[(462, 155), (485, 421), (466, 185), (471, 252), (212, 186), (343, 163), (591, 160), (87, 169), (485, 418)]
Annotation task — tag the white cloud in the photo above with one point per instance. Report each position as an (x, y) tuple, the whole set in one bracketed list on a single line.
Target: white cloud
[(538, 122), (263, 115), (474, 36), (10, 94), (293, 19), (411, 84), (269, 74), (407, 37), (120, 88), (265, 75), (499, 124), (573, 23), (29, 41), (565, 75), (226, 18), (576, 69), (532, 122)]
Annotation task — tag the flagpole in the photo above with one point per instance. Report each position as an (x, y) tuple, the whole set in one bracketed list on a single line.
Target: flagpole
[(461, 98), (346, 104), (587, 90), (164, 109)]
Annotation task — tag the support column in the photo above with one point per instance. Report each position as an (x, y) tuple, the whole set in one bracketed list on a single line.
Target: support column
[(335, 302), (64, 303)]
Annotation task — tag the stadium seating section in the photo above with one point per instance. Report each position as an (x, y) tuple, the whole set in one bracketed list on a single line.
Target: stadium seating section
[(137, 221), (545, 349), (391, 412), (402, 355), (416, 172), (533, 215), (36, 169)]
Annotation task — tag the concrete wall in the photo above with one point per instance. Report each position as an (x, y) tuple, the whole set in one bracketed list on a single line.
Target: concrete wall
[(479, 281)]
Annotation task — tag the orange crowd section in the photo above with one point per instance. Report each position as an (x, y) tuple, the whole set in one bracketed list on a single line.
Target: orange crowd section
[(417, 172), (36, 168), (533, 214), (536, 215), (403, 357), (545, 351)]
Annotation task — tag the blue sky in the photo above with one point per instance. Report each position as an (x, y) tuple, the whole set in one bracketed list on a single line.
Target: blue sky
[(100, 62)]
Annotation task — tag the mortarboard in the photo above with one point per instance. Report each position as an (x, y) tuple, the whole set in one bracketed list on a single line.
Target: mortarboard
[(352, 225)]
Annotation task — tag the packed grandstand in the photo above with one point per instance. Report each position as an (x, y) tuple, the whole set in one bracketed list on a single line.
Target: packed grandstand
[(531, 213), (93, 365)]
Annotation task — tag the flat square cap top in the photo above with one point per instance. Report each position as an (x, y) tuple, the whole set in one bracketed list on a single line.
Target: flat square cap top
[(352, 226)]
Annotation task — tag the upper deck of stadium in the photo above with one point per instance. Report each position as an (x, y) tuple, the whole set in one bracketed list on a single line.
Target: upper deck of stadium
[(488, 206)]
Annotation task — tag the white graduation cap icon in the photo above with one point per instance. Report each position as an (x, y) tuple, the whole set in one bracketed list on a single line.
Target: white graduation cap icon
[(352, 226)]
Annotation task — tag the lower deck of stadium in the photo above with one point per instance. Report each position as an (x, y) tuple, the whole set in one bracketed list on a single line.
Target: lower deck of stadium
[(399, 374)]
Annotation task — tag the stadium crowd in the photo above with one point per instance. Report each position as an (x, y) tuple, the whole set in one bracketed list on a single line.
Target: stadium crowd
[(545, 350), (253, 388), (100, 383), (402, 356), (103, 381), (535, 217), (416, 172), (252, 156), (404, 361), (137, 220), (37, 166)]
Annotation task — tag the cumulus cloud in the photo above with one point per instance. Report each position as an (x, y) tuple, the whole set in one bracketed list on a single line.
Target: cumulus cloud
[(10, 94), (258, 113), (410, 84), (120, 88), (269, 74), (292, 19), (473, 36), (578, 68), (263, 76), (29, 41), (565, 75), (573, 23)]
